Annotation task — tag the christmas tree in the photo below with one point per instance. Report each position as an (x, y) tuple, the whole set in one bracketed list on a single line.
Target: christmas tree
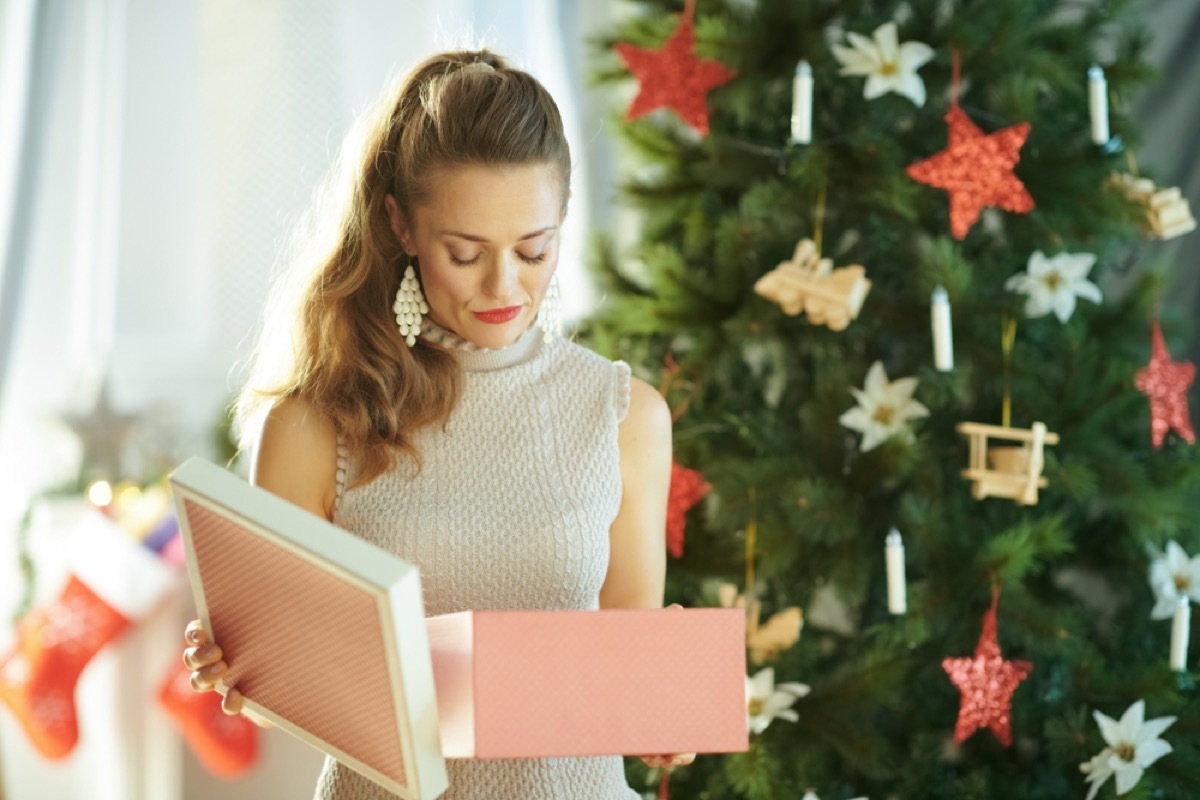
[(891, 277)]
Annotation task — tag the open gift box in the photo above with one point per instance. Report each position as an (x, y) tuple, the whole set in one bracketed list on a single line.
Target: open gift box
[(325, 635)]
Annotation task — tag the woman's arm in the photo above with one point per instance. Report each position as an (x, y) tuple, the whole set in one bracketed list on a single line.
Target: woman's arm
[(297, 460), (637, 559), (297, 457)]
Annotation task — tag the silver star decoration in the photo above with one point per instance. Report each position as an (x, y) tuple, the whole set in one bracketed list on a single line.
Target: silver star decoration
[(103, 432)]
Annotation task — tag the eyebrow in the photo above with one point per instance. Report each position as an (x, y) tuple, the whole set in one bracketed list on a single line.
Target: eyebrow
[(472, 238)]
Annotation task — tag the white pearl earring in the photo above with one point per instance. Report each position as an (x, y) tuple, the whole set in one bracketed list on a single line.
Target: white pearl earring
[(409, 306), (549, 317)]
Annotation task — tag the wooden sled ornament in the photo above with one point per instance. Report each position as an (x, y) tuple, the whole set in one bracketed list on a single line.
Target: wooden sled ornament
[(808, 283), (1007, 471)]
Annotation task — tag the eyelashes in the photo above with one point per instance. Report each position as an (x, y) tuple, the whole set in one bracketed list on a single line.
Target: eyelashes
[(538, 259)]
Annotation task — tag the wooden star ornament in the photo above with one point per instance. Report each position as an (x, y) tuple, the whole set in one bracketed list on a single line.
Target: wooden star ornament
[(987, 683), (977, 170), (674, 77), (1165, 383)]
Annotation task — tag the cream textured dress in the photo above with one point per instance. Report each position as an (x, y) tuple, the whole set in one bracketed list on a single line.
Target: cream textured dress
[(511, 510)]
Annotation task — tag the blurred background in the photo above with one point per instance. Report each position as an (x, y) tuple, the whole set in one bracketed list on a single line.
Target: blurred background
[(153, 157)]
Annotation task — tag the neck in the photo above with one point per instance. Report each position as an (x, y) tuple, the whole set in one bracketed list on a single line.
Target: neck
[(474, 358)]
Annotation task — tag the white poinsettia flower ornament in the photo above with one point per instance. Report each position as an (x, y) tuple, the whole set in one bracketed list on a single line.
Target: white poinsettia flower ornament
[(884, 408), (766, 701), (1052, 284), (1133, 745), (1173, 575), (888, 65)]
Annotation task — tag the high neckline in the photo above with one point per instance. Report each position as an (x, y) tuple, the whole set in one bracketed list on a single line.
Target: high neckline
[(474, 358)]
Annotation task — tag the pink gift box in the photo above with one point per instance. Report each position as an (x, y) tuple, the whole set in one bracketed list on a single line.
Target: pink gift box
[(521, 684)]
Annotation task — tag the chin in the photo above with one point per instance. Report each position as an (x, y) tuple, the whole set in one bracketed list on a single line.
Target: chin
[(494, 337)]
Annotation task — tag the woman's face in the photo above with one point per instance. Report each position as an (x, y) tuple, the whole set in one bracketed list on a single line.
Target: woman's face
[(487, 243)]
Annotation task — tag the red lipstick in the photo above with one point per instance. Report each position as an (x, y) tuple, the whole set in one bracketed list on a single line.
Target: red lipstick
[(497, 316)]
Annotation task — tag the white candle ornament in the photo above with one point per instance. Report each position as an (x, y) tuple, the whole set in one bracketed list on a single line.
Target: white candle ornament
[(802, 98), (897, 587), (1180, 630), (943, 335), (1098, 104)]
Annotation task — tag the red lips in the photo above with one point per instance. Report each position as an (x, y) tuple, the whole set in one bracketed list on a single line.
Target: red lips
[(497, 316)]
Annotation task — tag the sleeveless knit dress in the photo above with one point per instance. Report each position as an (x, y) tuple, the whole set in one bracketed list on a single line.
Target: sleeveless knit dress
[(511, 510)]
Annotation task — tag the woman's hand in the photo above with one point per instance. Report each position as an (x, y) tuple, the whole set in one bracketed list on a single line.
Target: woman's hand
[(205, 660), (669, 761)]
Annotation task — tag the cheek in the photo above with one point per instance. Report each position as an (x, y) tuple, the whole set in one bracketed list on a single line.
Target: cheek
[(443, 282)]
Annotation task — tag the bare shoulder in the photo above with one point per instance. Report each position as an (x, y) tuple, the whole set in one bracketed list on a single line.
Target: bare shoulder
[(646, 429), (297, 456)]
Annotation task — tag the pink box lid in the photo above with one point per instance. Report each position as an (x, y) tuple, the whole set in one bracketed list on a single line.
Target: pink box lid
[(323, 632)]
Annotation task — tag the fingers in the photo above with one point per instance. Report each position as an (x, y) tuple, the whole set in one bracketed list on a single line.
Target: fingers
[(208, 678), (194, 633), (669, 760), (206, 661), (231, 703), (197, 657)]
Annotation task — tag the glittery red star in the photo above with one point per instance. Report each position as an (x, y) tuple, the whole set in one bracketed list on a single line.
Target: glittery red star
[(987, 683), (977, 170), (688, 487), (1165, 383), (674, 77)]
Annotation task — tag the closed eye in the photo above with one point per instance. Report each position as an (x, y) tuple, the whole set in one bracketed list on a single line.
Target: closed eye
[(538, 259), (464, 263), (528, 259)]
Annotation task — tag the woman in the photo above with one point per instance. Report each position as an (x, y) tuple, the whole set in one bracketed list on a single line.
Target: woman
[(422, 408)]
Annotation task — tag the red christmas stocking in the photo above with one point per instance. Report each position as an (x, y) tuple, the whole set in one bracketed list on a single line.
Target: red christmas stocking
[(113, 582), (226, 745), (37, 680)]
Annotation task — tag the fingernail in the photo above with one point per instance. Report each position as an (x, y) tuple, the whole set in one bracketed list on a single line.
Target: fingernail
[(193, 636)]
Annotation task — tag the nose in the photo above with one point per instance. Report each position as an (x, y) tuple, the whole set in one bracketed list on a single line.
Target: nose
[(501, 280)]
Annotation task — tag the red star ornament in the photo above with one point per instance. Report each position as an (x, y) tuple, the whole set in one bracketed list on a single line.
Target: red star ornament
[(1165, 383), (688, 487), (977, 170), (987, 683), (674, 77)]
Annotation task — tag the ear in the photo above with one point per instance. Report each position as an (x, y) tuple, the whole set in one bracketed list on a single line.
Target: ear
[(399, 225)]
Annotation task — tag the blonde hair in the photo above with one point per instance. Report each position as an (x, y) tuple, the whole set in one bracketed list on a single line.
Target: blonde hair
[(329, 334)]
